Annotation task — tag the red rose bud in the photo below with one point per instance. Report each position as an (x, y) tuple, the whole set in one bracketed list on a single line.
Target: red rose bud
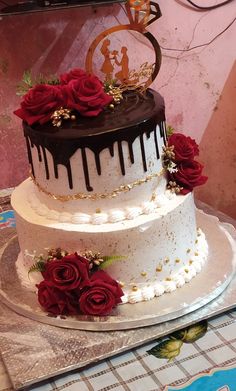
[(72, 75), (40, 102), (86, 95), (101, 296), (189, 176), (185, 148), (55, 301), (69, 273)]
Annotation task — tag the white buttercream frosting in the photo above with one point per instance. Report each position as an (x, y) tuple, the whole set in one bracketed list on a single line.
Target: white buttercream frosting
[(112, 216), (148, 293), (142, 293)]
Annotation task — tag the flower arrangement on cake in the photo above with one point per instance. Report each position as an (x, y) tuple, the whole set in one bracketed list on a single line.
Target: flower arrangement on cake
[(183, 171), (57, 99), (76, 284)]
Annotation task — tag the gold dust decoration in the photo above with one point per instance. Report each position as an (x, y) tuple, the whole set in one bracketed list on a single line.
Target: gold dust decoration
[(121, 284), (177, 260), (190, 262), (166, 260), (98, 196), (168, 279), (62, 114), (153, 197), (143, 274), (115, 92), (186, 270), (115, 60), (159, 269), (188, 250), (196, 254), (196, 241), (173, 187), (168, 157), (134, 288)]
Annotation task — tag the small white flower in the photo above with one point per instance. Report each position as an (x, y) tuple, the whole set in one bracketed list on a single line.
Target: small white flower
[(172, 167)]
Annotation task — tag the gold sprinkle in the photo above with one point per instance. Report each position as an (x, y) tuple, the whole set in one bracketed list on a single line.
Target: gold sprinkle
[(168, 279), (111, 106), (121, 284), (196, 241), (159, 269), (143, 274), (177, 260), (188, 250), (134, 288), (73, 117), (186, 270), (190, 262), (166, 260), (196, 254), (98, 210), (153, 197), (97, 196)]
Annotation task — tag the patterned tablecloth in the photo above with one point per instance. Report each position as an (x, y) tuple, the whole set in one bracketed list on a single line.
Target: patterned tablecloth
[(209, 363)]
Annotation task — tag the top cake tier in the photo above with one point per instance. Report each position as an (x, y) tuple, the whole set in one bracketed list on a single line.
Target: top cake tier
[(103, 163)]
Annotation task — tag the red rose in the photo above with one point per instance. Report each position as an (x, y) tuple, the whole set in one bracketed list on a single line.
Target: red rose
[(185, 148), (70, 272), (101, 296), (189, 175), (40, 102), (86, 95), (55, 301), (73, 74)]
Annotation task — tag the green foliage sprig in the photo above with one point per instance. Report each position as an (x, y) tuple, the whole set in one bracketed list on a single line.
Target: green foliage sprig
[(28, 82), (38, 266), (109, 259)]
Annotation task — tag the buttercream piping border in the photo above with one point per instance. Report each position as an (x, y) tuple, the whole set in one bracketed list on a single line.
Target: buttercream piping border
[(183, 276), (98, 196), (145, 293)]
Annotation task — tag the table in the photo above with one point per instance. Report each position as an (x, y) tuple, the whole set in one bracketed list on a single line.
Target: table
[(137, 370)]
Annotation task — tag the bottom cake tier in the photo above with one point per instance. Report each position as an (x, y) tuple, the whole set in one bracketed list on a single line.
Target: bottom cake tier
[(158, 252)]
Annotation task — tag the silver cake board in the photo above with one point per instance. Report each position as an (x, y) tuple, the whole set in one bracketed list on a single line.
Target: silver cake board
[(34, 351)]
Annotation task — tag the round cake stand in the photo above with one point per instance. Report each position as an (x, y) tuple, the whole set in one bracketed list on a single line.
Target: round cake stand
[(205, 287)]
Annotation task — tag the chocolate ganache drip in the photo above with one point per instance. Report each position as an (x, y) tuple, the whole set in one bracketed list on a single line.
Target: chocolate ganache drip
[(136, 117)]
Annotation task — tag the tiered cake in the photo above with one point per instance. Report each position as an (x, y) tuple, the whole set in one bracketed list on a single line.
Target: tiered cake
[(108, 213), (100, 184)]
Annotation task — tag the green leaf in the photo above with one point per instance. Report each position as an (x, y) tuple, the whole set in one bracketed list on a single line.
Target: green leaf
[(23, 87), (39, 266), (108, 260), (169, 130), (191, 333), (168, 349)]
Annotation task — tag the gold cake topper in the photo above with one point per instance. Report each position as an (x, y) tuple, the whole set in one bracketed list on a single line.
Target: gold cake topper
[(115, 65)]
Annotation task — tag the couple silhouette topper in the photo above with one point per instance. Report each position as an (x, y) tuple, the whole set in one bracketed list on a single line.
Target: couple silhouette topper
[(111, 62)]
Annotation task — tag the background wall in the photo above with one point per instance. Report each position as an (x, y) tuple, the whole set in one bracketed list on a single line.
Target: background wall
[(198, 84)]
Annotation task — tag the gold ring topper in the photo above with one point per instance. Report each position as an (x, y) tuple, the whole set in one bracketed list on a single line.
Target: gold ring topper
[(115, 65)]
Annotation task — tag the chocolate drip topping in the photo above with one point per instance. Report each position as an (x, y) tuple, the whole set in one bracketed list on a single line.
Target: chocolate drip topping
[(121, 158), (98, 164), (135, 116), (86, 172), (143, 152), (55, 169), (69, 174), (131, 152), (39, 153), (45, 163), (156, 144), (30, 155)]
